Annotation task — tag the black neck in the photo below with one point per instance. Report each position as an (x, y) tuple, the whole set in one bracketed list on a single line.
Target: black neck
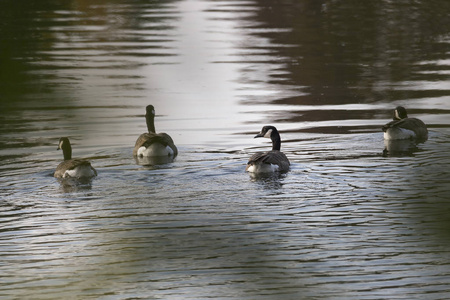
[(276, 141), (67, 152), (150, 123)]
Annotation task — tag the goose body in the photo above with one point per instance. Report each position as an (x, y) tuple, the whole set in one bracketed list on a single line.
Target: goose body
[(270, 161), (72, 168), (403, 128), (152, 144)]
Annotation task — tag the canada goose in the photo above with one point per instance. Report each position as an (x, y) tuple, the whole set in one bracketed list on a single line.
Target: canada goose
[(152, 143), (75, 168), (402, 127), (270, 161)]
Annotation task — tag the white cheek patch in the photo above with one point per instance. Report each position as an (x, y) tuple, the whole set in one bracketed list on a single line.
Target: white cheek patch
[(268, 133), (396, 115)]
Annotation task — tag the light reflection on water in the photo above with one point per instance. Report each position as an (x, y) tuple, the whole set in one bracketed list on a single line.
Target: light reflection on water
[(348, 220)]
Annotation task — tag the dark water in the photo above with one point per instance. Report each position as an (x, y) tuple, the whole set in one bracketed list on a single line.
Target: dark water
[(349, 221)]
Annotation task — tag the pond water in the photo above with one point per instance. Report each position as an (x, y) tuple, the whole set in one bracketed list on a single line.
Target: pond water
[(353, 219)]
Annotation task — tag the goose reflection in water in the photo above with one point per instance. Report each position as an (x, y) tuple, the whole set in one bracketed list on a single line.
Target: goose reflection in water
[(398, 148), (268, 181), (153, 160), (74, 185)]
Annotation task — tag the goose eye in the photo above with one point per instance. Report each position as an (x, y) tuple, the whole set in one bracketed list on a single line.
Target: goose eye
[(268, 133)]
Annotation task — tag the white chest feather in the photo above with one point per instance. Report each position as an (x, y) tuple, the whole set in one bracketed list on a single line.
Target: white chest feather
[(397, 133), (155, 150), (263, 168), (80, 172)]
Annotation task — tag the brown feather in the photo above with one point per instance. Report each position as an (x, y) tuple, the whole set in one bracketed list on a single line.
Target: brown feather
[(146, 139), (71, 164), (274, 157), (413, 124)]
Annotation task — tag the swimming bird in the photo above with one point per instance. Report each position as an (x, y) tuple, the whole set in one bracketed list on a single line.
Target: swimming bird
[(152, 143), (72, 167), (402, 127), (270, 161)]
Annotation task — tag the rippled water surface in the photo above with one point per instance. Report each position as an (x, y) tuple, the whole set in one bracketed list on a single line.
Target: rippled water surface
[(355, 218)]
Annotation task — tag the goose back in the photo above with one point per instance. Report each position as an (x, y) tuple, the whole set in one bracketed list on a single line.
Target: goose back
[(271, 161), (76, 168), (408, 128), (155, 144)]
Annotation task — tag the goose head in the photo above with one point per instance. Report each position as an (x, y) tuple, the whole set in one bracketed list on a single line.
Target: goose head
[(271, 132), (400, 113), (267, 132)]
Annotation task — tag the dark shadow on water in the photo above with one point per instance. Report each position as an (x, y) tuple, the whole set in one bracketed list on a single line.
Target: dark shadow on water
[(399, 148), (153, 161), (70, 185), (271, 181)]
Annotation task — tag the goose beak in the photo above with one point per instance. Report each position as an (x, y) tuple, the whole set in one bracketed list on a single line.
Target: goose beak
[(259, 135)]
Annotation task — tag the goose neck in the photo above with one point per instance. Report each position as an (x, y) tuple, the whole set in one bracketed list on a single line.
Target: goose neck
[(276, 141), (67, 152), (150, 123)]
